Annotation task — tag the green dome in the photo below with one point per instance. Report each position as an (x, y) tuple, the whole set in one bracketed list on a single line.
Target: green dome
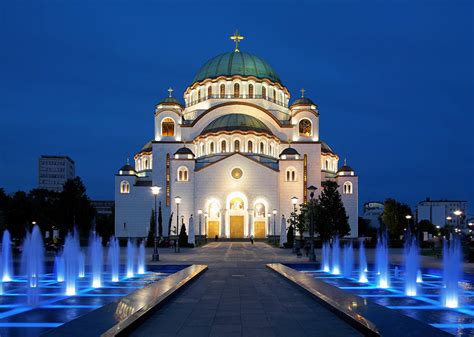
[(236, 63), (170, 100), (233, 122)]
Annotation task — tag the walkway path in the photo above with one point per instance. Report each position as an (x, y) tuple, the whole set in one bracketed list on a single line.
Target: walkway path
[(239, 296)]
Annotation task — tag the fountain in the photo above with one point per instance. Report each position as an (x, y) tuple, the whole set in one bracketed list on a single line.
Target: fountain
[(419, 277), (412, 265), (141, 258), (336, 270), (114, 258), (381, 261), (96, 258), (325, 257), (348, 260), (33, 257), (81, 261), (130, 258), (362, 264), (71, 255), (451, 272), (7, 262), (59, 267)]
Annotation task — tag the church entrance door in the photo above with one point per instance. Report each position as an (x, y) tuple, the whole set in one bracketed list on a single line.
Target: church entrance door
[(212, 229), (236, 226), (259, 229)]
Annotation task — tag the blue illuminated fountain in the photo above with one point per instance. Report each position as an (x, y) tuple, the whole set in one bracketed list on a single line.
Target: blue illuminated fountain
[(59, 267), (33, 257), (7, 262), (362, 264), (71, 259), (381, 262), (81, 270), (96, 259), (348, 260), (336, 269), (141, 258), (451, 272), (412, 265), (130, 258), (114, 259), (325, 256)]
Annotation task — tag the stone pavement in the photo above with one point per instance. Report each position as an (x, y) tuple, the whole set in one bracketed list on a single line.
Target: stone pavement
[(239, 296)]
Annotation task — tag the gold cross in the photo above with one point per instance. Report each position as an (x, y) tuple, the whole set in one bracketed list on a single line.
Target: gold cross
[(302, 92), (170, 92), (236, 38)]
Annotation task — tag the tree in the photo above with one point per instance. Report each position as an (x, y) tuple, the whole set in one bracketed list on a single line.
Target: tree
[(290, 236), (302, 220), (394, 217), (332, 217), (424, 226), (170, 221), (183, 236), (160, 222), (151, 231)]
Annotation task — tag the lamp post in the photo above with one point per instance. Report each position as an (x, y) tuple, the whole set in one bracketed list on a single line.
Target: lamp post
[(458, 214), (177, 200), (206, 216), (155, 190), (274, 224), (268, 229), (408, 217), (311, 191), (200, 216), (294, 201)]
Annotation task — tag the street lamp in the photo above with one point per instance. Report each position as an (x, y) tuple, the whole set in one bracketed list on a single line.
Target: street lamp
[(206, 217), (177, 200), (200, 216), (294, 201), (155, 190), (269, 215), (311, 191), (274, 224), (408, 217)]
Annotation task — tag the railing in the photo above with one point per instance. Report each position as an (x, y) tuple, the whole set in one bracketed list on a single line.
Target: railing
[(230, 96)]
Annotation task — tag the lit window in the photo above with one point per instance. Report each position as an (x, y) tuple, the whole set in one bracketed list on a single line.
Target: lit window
[(236, 173), (202, 149), (209, 91), (264, 92), (199, 95), (222, 90), (183, 173), (167, 127), (305, 127), (259, 210), (251, 90), (347, 188), (211, 147), (236, 145), (237, 204), (262, 148), (236, 90), (124, 187), (223, 146), (250, 146), (290, 174)]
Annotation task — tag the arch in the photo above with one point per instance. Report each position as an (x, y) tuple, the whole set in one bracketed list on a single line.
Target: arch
[(236, 90), (262, 148), (347, 188), (211, 147), (259, 210), (327, 164), (209, 91), (237, 197), (201, 149), (167, 127), (236, 145), (199, 94), (290, 174), (145, 164), (250, 90), (182, 174), (305, 127), (250, 146), (124, 187), (223, 146), (264, 92), (213, 209), (222, 90)]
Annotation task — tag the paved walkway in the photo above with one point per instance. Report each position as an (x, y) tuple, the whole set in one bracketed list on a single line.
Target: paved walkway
[(239, 296)]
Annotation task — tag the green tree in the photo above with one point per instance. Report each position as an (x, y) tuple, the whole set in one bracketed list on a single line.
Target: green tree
[(183, 236), (160, 222), (302, 220), (394, 217), (332, 217), (151, 231), (18, 214)]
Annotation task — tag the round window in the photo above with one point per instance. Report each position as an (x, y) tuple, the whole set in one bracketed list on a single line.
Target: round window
[(236, 173)]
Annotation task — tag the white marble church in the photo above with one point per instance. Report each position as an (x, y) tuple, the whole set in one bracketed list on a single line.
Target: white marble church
[(233, 155)]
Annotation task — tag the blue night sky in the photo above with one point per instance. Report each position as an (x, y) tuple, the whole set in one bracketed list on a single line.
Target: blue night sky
[(394, 81)]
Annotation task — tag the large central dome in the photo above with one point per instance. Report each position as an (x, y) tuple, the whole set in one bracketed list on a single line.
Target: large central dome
[(234, 122), (236, 63)]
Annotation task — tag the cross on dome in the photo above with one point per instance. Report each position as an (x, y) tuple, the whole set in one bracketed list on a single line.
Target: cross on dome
[(302, 92), (236, 38), (345, 162), (170, 92)]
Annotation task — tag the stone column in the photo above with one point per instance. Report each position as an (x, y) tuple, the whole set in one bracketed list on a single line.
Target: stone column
[(250, 222)]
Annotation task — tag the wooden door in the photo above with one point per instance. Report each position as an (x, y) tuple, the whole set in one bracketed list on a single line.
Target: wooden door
[(259, 229), (212, 229), (236, 227)]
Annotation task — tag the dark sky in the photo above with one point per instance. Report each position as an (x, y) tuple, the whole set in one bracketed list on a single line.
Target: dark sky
[(394, 81)]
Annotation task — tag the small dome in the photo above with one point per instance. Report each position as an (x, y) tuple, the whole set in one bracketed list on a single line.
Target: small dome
[(127, 167), (234, 122), (170, 100), (345, 168), (236, 63), (289, 151), (325, 148), (185, 151), (303, 101)]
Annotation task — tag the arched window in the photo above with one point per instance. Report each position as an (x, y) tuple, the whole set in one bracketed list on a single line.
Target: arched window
[(290, 174), (262, 148), (209, 91), (237, 203), (211, 147), (199, 94), (222, 90), (202, 149), (250, 90), (236, 90), (146, 164), (347, 188), (167, 127), (274, 94), (223, 146), (271, 149), (327, 164), (305, 127), (264, 92), (182, 173), (124, 187), (259, 210), (250, 146), (236, 145)]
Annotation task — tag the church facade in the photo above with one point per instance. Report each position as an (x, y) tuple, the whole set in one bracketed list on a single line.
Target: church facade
[(233, 155)]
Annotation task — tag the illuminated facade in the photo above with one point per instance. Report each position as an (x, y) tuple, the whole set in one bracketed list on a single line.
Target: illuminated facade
[(235, 152)]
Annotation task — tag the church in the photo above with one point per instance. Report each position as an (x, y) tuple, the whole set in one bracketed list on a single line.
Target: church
[(236, 156)]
